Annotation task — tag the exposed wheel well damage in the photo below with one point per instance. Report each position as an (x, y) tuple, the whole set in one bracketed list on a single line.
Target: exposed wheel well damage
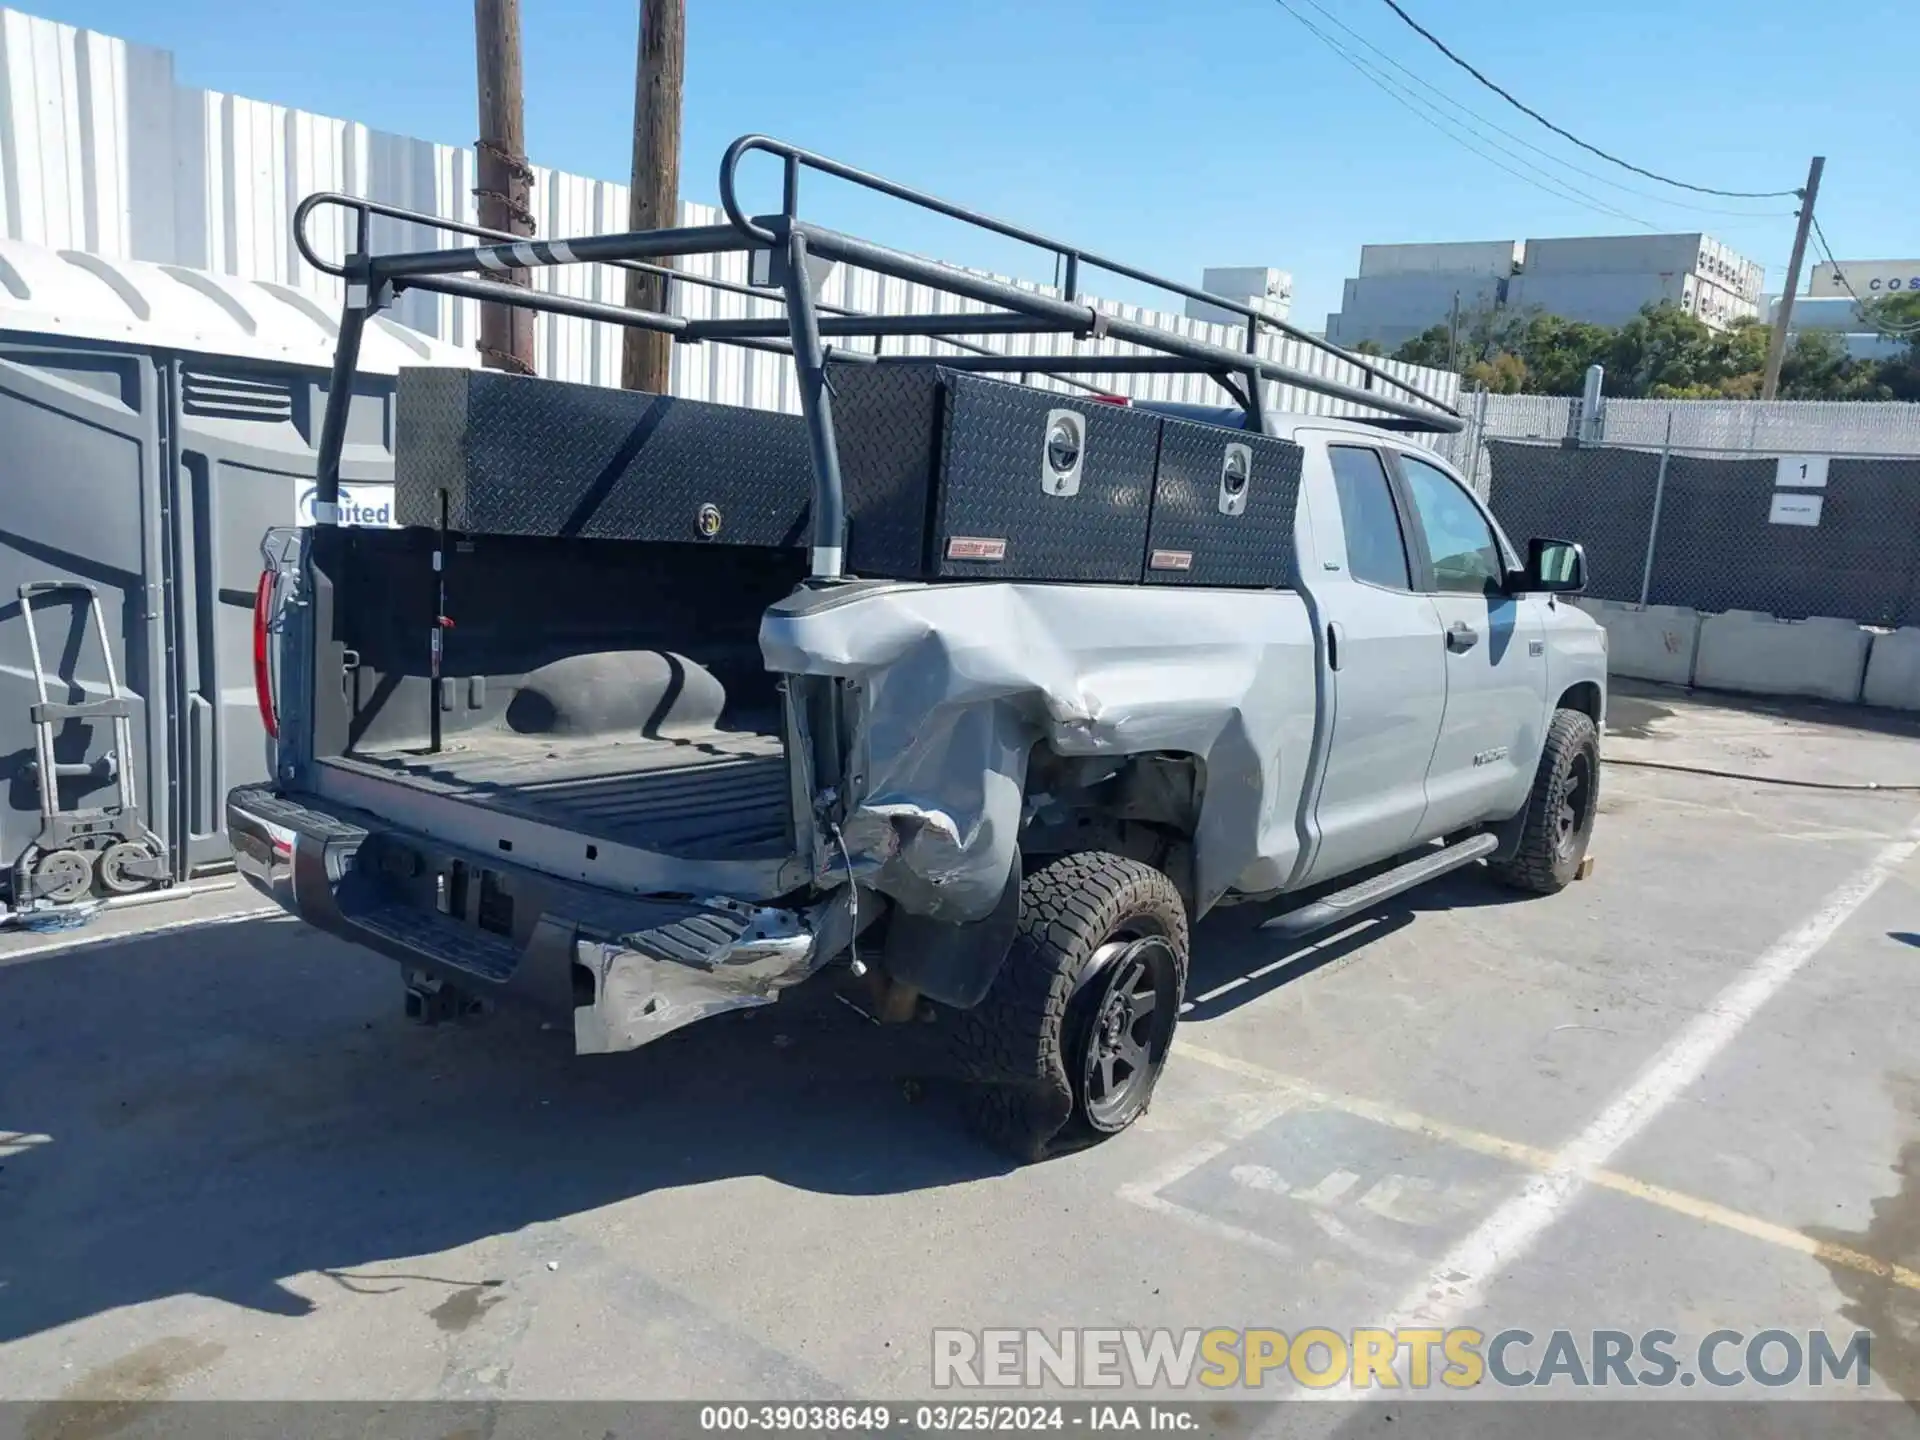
[(1145, 807), (1584, 697)]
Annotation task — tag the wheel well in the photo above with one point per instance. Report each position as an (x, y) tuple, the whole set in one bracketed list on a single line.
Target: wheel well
[(1143, 806), (1584, 697)]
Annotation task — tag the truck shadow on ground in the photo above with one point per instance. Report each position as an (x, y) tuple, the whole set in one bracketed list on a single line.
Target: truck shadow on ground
[(1236, 961), (232, 1105)]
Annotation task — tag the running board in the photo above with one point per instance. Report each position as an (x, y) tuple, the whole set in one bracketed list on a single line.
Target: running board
[(1344, 904)]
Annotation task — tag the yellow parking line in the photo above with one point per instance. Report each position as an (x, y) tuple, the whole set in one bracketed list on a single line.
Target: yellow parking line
[(1534, 1158)]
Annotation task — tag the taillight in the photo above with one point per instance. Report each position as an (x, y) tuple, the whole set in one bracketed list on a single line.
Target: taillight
[(1113, 399), (262, 658)]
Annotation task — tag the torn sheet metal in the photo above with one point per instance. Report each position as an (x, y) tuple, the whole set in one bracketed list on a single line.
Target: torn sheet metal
[(652, 982), (951, 686)]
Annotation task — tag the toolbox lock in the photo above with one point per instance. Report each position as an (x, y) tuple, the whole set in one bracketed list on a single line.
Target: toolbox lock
[(1066, 448), (1236, 474)]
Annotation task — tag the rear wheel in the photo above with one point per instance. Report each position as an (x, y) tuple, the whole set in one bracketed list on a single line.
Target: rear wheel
[(1560, 809), (1072, 1037)]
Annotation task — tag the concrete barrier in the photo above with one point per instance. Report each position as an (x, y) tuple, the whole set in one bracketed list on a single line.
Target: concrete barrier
[(1751, 651), (1657, 643), (1893, 670)]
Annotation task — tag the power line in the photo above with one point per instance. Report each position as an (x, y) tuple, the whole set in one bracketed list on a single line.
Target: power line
[(1581, 170), (1540, 179), (1892, 332), (1525, 109)]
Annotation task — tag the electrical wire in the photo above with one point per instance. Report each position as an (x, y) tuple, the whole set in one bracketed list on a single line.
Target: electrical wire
[(1892, 332), (1422, 110), (1528, 110), (1891, 788), (1581, 170)]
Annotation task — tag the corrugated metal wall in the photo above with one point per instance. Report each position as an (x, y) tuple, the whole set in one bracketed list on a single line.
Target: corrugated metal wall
[(101, 150)]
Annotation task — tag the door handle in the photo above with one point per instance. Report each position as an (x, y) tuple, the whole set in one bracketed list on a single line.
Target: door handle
[(1461, 636)]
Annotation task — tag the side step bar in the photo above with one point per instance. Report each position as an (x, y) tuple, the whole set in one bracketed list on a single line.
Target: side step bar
[(1344, 904)]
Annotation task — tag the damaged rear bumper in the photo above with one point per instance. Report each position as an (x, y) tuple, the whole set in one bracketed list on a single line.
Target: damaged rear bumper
[(625, 969)]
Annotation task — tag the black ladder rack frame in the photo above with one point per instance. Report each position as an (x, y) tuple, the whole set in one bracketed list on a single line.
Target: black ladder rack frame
[(780, 246)]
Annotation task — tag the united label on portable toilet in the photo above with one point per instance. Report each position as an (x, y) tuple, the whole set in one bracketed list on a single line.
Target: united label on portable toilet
[(1791, 509), (365, 505), (1801, 472)]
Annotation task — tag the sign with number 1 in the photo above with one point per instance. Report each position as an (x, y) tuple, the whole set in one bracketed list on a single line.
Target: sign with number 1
[(1801, 472)]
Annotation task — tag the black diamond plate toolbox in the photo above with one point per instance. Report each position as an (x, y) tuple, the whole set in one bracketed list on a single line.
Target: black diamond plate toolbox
[(1223, 508), (950, 475), (516, 455)]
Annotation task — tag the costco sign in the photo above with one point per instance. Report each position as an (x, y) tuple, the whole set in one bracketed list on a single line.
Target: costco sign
[(1870, 279)]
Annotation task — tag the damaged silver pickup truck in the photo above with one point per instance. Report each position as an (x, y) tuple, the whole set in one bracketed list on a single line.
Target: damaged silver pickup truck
[(651, 709)]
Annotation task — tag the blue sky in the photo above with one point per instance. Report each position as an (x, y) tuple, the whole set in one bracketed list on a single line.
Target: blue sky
[(1172, 133)]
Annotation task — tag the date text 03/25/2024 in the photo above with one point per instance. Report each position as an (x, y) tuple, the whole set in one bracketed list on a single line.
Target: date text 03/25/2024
[(982, 1418)]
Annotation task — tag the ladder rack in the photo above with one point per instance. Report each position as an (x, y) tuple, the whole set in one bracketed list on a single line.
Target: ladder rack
[(781, 246)]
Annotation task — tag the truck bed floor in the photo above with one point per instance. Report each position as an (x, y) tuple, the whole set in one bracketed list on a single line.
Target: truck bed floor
[(707, 795)]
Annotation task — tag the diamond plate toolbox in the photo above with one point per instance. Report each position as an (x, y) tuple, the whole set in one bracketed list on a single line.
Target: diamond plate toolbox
[(950, 475), (515, 455), (1223, 508)]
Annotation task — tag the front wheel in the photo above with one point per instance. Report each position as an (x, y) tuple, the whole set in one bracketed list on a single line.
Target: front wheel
[(1560, 809), (1075, 1031)]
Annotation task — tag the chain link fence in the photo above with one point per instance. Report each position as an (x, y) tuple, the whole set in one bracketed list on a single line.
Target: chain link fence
[(1724, 429), (1724, 530)]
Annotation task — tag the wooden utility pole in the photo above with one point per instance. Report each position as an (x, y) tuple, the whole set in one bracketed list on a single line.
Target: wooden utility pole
[(1777, 341), (506, 180), (654, 200)]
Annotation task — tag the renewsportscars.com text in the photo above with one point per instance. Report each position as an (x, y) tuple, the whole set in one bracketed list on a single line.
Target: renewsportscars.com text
[(1461, 1358)]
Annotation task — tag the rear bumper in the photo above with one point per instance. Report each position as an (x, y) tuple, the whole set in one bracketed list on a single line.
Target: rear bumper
[(626, 969)]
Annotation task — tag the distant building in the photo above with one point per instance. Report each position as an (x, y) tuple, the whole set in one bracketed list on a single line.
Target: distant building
[(1829, 304), (1258, 287), (1867, 279), (1403, 290)]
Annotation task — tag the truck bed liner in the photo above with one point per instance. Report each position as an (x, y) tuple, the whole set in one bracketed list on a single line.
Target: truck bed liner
[(715, 794)]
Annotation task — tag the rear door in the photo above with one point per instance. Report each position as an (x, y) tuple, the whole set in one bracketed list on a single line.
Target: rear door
[(1386, 663), (80, 465), (1493, 650)]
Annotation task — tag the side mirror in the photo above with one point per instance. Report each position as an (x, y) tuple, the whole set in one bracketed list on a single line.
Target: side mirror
[(1555, 567)]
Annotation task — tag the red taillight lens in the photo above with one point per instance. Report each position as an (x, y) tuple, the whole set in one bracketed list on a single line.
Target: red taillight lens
[(1113, 399), (262, 660)]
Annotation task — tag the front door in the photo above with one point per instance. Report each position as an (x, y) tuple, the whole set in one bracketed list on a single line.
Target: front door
[(1496, 668)]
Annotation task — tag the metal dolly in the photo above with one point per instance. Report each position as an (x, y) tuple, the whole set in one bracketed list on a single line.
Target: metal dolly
[(105, 849)]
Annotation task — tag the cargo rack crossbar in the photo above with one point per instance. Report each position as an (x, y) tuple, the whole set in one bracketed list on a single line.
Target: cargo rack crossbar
[(780, 247)]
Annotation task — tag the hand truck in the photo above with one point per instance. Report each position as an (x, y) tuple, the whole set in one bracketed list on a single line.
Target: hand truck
[(102, 849)]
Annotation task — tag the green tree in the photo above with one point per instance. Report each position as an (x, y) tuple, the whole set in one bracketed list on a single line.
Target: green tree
[(1665, 353), (1504, 374), (1817, 367), (1368, 347), (1430, 347), (1662, 352), (1557, 352), (1895, 316)]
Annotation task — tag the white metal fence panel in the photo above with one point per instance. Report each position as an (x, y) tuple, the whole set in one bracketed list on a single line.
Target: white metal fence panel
[(1774, 427), (101, 150)]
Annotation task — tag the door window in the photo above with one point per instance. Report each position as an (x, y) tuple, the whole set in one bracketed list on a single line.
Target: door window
[(1376, 550), (1460, 542)]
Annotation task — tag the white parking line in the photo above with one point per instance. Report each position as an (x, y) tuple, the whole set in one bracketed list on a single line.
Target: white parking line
[(1457, 1285)]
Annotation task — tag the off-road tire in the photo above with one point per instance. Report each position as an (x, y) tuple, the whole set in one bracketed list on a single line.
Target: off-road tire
[(1013, 1048), (1547, 859)]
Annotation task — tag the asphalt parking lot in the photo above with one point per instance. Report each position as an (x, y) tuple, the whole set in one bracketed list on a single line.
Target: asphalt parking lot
[(1679, 1095)]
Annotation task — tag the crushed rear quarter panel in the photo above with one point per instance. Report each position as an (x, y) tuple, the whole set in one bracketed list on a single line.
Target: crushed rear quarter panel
[(957, 684)]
